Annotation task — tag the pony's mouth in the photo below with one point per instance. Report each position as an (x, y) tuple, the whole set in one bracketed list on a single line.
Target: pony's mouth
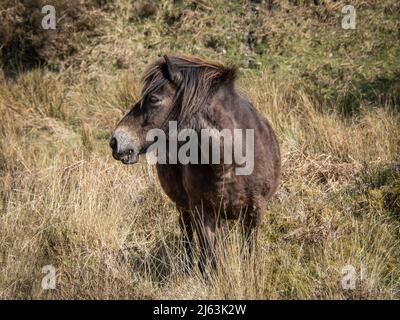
[(128, 157)]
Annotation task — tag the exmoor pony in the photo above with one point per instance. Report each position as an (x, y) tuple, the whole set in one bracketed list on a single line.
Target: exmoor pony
[(198, 94)]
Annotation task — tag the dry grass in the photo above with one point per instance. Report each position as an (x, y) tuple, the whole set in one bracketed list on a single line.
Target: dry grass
[(109, 230)]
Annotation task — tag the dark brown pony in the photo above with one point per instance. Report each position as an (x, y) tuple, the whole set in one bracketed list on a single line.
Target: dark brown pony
[(201, 94)]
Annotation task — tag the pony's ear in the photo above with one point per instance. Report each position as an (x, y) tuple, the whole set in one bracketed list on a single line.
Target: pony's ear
[(172, 71)]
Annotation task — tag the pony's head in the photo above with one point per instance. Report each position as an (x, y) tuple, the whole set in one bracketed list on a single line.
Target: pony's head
[(175, 88)]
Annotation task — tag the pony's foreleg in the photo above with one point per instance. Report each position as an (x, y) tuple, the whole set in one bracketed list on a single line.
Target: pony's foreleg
[(186, 225), (205, 230)]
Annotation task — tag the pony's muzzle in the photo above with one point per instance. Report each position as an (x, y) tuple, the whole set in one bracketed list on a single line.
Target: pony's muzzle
[(123, 150)]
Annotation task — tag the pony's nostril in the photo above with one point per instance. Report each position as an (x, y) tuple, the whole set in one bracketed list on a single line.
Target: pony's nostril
[(113, 144)]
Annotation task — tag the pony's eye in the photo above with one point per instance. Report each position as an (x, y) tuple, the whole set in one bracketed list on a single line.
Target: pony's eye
[(153, 99)]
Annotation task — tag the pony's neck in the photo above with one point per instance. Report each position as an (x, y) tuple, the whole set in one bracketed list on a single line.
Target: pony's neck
[(219, 112)]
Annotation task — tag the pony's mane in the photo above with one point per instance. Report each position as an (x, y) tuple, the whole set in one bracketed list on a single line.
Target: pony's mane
[(199, 79)]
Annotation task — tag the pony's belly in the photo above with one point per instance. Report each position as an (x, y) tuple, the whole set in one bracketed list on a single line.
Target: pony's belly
[(230, 203)]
